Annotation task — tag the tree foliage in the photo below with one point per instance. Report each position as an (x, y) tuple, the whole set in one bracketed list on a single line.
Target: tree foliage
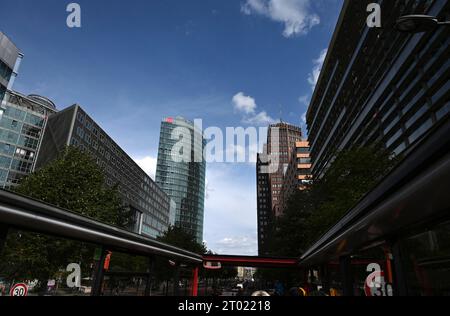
[(178, 237), (74, 182), (310, 213)]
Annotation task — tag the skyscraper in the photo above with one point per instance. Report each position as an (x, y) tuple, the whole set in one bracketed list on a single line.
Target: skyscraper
[(22, 123), (281, 140), (150, 206), (278, 157), (379, 85), (181, 171)]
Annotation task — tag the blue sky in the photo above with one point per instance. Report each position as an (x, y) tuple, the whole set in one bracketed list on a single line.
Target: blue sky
[(228, 62)]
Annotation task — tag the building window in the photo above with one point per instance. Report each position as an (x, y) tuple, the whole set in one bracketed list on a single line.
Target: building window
[(24, 154), (87, 138), (80, 117), (420, 131), (80, 132), (74, 142)]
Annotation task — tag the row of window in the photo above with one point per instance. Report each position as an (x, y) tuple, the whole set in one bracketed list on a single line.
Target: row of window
[(116, 161), (15, 164), (23, 116), (98, 137), (147, 201)]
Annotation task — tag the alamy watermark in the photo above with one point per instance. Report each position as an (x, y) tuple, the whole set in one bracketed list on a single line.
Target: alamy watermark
[(74, 17), (374, 18), (231, 145)]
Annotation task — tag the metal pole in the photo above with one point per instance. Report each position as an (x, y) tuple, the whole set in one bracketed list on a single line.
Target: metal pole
[(347, 275), (195, 282), (148, 286), (400, 286), (3, 235), (99, 274)]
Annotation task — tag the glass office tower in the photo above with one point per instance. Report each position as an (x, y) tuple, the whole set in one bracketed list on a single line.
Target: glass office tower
[(181, 172), (22, 123)]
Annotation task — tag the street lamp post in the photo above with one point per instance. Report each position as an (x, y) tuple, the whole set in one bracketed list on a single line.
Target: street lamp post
[(419, 23)]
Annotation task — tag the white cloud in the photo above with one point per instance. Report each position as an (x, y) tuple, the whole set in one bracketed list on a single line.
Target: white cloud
[(296, 15), (247, 105), (242, 245), (243, 103), (304, 118), (259, 119), (313, 77), (148, 164)]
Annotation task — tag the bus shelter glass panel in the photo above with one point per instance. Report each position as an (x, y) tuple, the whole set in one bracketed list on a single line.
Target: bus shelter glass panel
[(372, 272), (426, 262), (126, 274), (46, 265)]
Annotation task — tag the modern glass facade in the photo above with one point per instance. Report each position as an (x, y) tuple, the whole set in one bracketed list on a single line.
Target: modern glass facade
[(22, 123), (73, 126), (181, 173), (9, 63), (378, 84)]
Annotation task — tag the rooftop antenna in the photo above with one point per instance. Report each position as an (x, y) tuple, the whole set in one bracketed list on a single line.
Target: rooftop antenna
[(281, 113)]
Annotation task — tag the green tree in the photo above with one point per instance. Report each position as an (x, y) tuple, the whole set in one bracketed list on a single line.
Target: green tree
[(178, 237), (353, 174), (74, 182), (310, 213)]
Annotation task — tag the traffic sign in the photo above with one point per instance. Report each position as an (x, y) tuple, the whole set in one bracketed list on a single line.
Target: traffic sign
[(19, 289)]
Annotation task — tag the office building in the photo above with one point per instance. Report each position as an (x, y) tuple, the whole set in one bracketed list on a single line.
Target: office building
[(278, 157), (181, 173), (298, 173), (73, 127), (281, 140), (378, 84), (10, 58), (22, 123), (264, 203)]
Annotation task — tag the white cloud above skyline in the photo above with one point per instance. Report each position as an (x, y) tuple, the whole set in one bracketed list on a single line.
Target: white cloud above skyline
[(247, 105), (242, 245), (313, 77), (243, 103), (259, 119), (296, 15)]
